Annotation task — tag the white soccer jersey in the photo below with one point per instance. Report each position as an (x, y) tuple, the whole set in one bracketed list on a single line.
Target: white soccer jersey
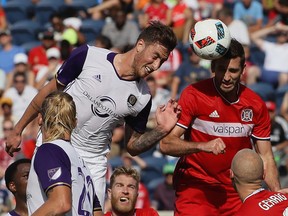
[(102, 98), (55, 164)]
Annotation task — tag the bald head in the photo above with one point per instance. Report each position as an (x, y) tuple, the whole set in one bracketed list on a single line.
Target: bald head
[(247, 166)]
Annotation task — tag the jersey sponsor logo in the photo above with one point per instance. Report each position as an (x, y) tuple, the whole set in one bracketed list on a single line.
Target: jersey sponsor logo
[(271, 201), (247, 115), (223, 129), (214, 114), (97, 77), (102, 106), (132, 100), (54, 173)]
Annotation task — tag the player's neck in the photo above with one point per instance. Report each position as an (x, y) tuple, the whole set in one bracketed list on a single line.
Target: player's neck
[(21, 208), (122, 64), (246, 191)]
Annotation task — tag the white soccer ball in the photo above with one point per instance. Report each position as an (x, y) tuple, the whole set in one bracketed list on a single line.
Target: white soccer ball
[(210, 39)]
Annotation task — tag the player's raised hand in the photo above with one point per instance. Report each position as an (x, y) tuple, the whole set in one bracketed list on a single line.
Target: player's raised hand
[(13, 141), (216, 146), (167, 116)]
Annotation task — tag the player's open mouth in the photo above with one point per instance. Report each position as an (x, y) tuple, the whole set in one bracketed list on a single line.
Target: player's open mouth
[(124, 199), (149, 70)]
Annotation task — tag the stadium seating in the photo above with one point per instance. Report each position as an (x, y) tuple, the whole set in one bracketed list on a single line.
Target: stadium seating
[(30, 44), (91, 28), (45, 8), (16, 11), (82, 4), (25, 31)]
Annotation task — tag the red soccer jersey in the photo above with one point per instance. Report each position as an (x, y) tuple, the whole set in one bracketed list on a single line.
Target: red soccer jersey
[(207, 115), (264, 203), (141, 212), (157, 13)]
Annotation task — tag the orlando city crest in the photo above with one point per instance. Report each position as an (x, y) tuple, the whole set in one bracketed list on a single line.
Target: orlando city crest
[(132, 100)]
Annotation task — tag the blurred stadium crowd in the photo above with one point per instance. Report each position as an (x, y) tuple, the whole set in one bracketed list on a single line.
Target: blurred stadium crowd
[(36, 36)]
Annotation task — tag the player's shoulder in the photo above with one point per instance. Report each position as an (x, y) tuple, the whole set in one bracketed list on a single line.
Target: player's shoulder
[(248, 93), (95, 49)]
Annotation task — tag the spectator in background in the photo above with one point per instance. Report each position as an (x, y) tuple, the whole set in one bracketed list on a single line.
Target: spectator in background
[(275, 68), (209, 8), (281, 7), (21, 94), (16, 178), (20, 65), (247, 174), (37, 57), (120, 31), (237, 28), (56, 26), (189, 72), (45, 74), (8, 51), (164, 196), (6, 114), (108, 7), (103, 41), (250, 12), (181, 19), (278, 137), (5, 161), (123, 192), (164, 74), (2, 81), (284, 107), (3, 19), (72, 24), (154, 10), (159, 95)]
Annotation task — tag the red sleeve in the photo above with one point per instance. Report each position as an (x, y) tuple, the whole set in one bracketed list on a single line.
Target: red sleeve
[(186, 103)]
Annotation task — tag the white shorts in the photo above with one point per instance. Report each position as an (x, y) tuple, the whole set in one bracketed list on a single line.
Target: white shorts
[(98, 168)]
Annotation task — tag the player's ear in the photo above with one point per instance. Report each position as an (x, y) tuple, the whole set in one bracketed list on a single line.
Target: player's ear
[(231, 174), (109, 193), (140, 45), (39, 119), (12, 187)]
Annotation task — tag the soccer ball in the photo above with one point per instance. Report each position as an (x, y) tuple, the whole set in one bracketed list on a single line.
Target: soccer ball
[(210, 39)]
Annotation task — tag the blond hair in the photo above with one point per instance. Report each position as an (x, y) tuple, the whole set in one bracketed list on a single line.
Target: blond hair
[(59, 115)]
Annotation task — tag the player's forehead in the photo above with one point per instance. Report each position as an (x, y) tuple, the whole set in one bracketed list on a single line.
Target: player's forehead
[(158, 49), (125, 180)]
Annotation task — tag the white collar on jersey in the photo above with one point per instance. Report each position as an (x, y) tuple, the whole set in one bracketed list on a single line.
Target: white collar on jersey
[(255, 192)]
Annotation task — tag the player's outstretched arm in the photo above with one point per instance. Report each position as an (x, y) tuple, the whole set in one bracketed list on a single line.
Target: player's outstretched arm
[(175, 146), (263, 148), (166, 118), (14, 138)]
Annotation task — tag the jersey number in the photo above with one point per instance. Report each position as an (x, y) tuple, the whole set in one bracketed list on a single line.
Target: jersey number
[(86, 195)]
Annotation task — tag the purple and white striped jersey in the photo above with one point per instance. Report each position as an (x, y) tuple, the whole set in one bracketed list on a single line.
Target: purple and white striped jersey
[(57, 163)]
